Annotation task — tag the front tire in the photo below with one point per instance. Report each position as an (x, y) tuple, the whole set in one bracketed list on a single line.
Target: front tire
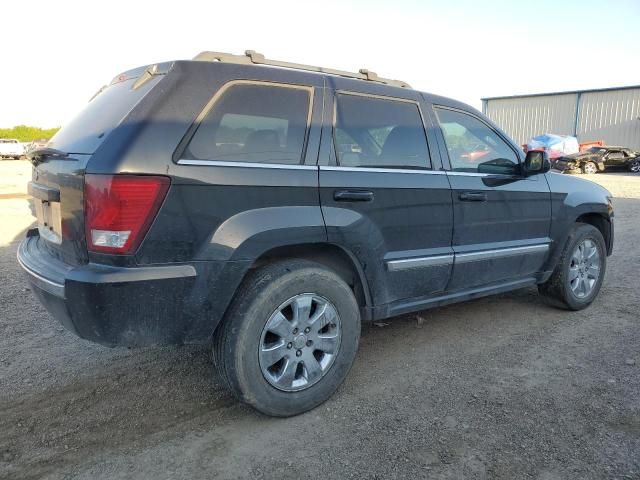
[(590, 168), (289, 337), (634, 166), (578, 276)]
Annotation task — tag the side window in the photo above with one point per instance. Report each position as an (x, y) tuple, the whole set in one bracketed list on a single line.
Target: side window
[(254, 123), (373, 132), (473, 146)]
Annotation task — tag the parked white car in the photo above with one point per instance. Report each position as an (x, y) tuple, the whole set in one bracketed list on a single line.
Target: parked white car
[(11, 148)]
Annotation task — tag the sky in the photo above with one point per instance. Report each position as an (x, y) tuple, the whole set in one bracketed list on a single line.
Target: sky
[(56, 54)]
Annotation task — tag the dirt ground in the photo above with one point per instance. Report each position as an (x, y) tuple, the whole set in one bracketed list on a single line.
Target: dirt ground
[(502, 387)]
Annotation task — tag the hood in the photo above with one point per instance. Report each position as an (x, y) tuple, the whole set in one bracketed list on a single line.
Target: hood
[(576, 184), (580, 155)]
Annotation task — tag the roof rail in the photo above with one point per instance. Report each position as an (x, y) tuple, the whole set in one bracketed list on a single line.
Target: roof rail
[(251, 57)]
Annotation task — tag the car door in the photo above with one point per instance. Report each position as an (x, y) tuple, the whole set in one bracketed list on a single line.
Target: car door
[(501, 218), (614, 158), (383, 197)]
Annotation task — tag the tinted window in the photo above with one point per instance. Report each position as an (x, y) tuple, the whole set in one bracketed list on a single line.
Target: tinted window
[(615, 155), (101, 115), (473, 146), (253, 123), (372, 132)]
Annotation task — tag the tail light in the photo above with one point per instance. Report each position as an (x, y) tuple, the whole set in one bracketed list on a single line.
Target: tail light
[(119, 209)]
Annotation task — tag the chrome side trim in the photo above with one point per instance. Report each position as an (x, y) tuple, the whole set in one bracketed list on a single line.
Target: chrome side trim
[(499, 253), (419, 262), (221, 163), (381, 170), (476, 174)]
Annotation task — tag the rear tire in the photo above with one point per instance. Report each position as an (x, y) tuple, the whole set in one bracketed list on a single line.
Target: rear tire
[(589, 168), (269, 349), (578, 276), (634, 166)]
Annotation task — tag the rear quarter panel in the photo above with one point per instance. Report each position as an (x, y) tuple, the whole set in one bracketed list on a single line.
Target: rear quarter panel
[(219, 217)]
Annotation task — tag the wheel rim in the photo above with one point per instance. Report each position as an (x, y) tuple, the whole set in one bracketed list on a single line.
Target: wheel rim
[(635, 167), (300, 342), (590, 168), (584, 269)]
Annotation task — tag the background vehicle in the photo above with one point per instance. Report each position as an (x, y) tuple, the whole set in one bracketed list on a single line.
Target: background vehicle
[(11, 148), (271, 210), (597, 159), (38, 143)]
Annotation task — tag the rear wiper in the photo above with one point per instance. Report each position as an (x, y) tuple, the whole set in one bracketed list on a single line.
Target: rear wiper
[(37, 155)]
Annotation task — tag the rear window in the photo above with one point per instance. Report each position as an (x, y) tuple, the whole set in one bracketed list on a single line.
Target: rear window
[(100, 116), (256, 123)]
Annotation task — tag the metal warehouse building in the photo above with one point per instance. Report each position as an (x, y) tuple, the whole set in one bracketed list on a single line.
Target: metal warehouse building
[(609, 114)]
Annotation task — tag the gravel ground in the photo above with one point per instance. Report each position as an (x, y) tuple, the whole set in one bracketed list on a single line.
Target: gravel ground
[(502, 387)]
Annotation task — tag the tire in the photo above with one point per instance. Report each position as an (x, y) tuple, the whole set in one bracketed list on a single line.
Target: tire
[(589, 168), (563, 289), (634, 166), (245, 339)]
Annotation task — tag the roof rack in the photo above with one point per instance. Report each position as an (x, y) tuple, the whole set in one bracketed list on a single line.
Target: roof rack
[(251, 57)]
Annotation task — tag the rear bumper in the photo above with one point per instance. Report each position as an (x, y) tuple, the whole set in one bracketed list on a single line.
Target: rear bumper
[(112, 305)]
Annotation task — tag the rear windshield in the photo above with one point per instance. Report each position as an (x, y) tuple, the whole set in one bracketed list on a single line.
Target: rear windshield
[(92, 125)]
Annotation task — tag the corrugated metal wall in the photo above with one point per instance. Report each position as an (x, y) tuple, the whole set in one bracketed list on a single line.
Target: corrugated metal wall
[(525, 117), (611, 115)]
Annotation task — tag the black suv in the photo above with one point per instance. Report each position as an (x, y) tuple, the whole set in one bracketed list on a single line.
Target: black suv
[(597, 159), (268, 208)]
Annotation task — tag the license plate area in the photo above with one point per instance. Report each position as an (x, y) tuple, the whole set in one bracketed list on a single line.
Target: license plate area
[(49, 220)]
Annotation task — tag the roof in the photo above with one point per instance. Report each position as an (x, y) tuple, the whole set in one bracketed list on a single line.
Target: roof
[(252, 57), (568, 92)]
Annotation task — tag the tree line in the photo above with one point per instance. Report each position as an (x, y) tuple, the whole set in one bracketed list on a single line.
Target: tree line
[(25, 133)]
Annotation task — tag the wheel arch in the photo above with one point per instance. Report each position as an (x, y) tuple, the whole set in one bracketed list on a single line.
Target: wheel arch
[(602, 223), (332, 256)]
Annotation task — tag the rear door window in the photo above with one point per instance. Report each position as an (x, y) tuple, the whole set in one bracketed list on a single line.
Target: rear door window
[(474, 147), (379, 133), (252, 122)]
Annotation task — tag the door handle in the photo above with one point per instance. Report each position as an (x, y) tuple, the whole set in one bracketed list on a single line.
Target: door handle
[(352, 196), (473, 197)]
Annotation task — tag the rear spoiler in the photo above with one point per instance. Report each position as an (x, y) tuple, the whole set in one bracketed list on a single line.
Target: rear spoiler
[(141, 74)]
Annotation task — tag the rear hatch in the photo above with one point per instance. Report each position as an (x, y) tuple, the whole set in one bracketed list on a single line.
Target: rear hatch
[(57, 185)]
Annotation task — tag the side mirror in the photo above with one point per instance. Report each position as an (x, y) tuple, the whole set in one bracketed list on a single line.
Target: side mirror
[(536, 161)]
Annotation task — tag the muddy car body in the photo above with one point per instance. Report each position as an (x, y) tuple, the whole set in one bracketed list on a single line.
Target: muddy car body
[(268, 208)]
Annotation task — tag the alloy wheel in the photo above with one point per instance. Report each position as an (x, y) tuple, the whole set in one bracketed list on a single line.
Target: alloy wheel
[(590, 168), (584, 269), (300, 342)]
